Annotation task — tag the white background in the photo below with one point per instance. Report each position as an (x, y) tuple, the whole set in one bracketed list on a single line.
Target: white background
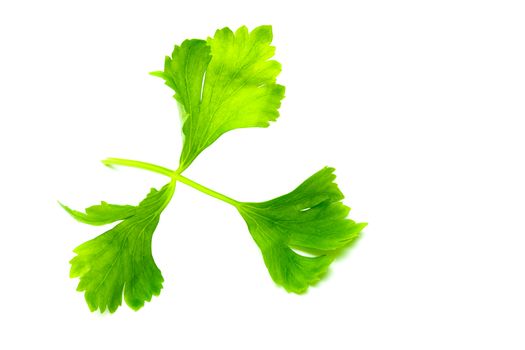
[(418, 104)]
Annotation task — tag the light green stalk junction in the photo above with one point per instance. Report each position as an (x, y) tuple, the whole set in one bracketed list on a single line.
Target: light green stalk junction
[(174, 175)]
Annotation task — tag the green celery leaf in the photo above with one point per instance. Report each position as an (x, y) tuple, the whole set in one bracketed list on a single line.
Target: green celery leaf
[(102, 214), (311, 219), (222, 84), (184, 72), (120, 260)]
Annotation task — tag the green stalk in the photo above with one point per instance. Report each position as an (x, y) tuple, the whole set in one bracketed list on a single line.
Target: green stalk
[(173, 174), (110, 162), (206, 190)]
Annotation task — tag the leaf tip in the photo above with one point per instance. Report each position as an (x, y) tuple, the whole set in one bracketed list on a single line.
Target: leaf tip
[(158, 74)]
